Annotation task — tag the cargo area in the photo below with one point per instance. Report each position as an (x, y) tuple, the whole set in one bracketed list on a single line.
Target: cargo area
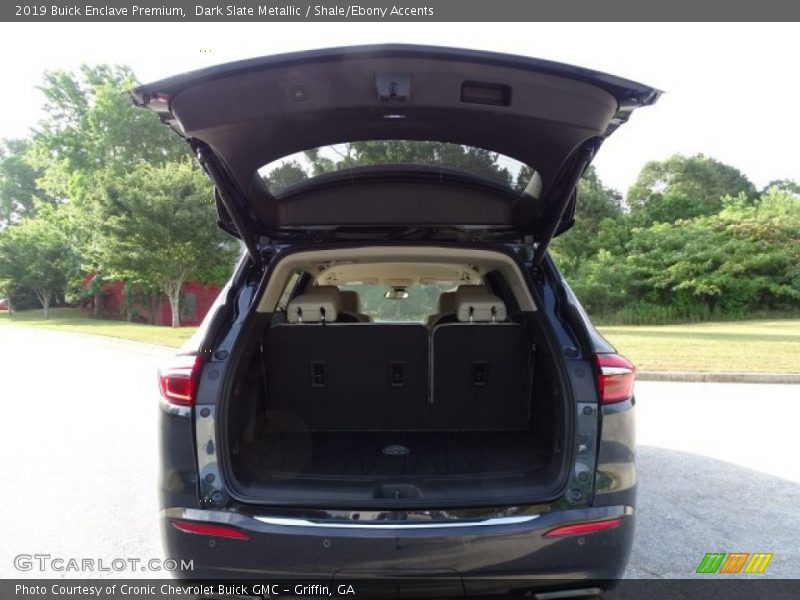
[(333, 409)]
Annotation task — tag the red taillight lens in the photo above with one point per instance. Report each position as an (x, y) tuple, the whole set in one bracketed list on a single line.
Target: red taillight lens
[(615, 377), (209, 529), (178, 379), (580, 528)]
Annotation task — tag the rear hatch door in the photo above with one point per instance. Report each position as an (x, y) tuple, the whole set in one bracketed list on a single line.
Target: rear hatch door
[(539, 122)]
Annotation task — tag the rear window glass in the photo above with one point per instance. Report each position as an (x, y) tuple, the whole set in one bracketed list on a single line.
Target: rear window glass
[(287, 171), (415, 306)]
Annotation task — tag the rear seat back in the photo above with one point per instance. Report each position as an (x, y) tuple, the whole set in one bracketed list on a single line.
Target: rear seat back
[(327, 375), (351, 305), (319, 304), (482, 366), (341, 376), (445, 306)]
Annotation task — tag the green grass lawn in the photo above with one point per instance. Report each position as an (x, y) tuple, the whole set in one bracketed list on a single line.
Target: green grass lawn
[(74, 319), (770, 346), (763, 346)]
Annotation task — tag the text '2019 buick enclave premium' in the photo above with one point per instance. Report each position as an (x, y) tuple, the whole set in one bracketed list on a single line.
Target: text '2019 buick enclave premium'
[(397, 382)]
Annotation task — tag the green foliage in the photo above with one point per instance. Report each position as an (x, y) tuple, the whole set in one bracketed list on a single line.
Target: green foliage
[(783, 185), (466, 158), (475, 161), (683, 187), (742, 260), (90, 125), (91, 132), (285, 175), (157, 228), (19, 193), (34, 255), (598, 225), (130, 204)]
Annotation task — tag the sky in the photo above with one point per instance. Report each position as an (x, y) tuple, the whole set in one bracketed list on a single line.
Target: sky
[(732, 91)]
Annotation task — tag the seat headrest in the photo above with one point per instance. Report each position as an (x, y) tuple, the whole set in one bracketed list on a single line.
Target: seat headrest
[(475, 303), (320, 303), (447, 303), (351, 301)]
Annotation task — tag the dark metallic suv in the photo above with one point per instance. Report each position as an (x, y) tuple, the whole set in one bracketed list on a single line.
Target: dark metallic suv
[(397, 384)]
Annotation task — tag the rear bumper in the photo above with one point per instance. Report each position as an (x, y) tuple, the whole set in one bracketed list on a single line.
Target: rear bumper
[(512, 553)]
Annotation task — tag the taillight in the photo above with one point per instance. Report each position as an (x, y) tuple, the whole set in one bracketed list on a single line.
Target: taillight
[(210, 529), (581, 528), (615, 377), (178, 379)]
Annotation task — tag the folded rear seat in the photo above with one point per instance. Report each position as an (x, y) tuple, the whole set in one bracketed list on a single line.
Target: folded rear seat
[(325, 375), (482, 366)]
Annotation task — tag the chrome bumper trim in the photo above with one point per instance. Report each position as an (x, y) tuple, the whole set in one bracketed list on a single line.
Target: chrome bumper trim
[(174, 409), (290, 522)]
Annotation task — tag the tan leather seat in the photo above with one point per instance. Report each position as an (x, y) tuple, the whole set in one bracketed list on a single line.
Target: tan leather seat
[(476, 304), (319, 304), (446, 306), (351, 305)]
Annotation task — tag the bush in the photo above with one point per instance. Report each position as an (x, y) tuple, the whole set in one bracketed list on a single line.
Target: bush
[(745, 260)]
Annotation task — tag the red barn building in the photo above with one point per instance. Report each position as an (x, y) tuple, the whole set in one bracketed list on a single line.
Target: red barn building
[(196, 299)]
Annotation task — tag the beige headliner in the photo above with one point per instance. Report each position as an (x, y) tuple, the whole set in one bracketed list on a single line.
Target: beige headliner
[(395, 274), (320, 262)]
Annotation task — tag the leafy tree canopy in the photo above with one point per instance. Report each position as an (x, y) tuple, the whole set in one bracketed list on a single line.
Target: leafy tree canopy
[(784, 185), (683, 187), (34, 254), (90, 124), (19, 193), (377, 152), (598, 223), (157, 226)]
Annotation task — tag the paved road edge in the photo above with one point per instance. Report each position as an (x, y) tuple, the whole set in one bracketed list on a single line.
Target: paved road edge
[(695, 376)]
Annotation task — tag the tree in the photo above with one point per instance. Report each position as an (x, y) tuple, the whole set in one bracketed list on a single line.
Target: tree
[(683, 187), (285, 175), (598, 223), (523, 177), (34, 254), (91, 132), (90, 125), (472, 160), (377, 152), (159, 229), (784, 185), (19, 193)]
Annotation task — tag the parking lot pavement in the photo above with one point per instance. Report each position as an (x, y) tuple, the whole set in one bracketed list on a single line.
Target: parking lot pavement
[(717, 473), (78, 441)]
